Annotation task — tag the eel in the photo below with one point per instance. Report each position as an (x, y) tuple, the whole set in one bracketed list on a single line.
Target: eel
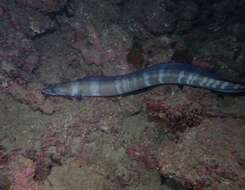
[(158, 74)]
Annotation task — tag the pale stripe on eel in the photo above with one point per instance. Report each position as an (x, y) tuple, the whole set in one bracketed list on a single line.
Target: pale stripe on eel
[(203, 81), (161, 74), (210, 82), (118, 86), (126, 84), (74, 90), (191, 79), (181, 76), (146, 77), (94, 88), (190, 75), (224, 85), (135, 82), (195, 77), (216, 84)]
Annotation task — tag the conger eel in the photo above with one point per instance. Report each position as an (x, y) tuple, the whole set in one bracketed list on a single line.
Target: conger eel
[(159, 74)]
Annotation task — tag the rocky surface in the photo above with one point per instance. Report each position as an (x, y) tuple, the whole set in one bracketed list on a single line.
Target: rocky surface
[(207, 157)]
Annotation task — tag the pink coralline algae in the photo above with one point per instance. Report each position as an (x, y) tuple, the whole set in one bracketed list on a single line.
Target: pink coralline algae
[(23, 171), (103, 48), (42, 164), (179, 117)]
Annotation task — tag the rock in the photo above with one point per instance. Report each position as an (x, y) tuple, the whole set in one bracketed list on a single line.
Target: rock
[(163, 16), (103, 48), (24, 93), (44, 5), (179, 116), (4, 182), (207, 157)]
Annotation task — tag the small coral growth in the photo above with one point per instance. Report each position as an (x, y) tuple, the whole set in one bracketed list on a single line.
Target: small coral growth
[(178, 117)]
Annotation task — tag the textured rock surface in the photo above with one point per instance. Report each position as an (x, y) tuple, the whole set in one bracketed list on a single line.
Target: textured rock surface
[(210, 156), (44, 5)]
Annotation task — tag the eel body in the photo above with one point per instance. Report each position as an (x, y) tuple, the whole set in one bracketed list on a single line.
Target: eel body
[(160, 74)]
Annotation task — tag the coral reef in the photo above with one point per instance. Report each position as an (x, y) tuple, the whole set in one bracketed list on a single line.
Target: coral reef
[(119, 142)]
